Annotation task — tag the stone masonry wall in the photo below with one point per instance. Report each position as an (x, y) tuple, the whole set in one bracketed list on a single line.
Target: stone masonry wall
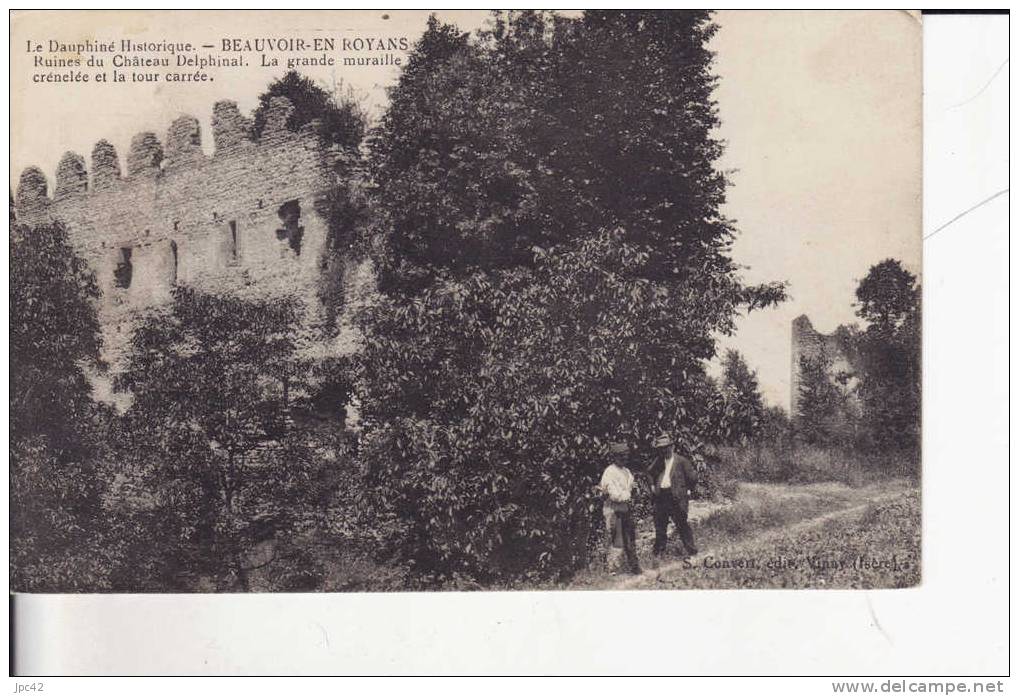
[(807, 341), (240, 221)]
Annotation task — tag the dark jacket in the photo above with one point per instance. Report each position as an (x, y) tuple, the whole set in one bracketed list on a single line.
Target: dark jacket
[(683, 478)]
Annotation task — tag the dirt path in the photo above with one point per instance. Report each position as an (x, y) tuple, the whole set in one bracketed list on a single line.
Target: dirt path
[(746, 547), (760, 515)]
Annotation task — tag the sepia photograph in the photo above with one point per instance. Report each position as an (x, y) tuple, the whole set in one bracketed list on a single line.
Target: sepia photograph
[(465, 300)]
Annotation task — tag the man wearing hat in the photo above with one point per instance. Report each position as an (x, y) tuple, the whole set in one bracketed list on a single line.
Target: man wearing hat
[(617, 484), (673, 479)]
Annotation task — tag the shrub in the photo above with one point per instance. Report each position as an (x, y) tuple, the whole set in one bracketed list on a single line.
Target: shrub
[(60, 538), (531, 307), (209, 437), (801, 463)]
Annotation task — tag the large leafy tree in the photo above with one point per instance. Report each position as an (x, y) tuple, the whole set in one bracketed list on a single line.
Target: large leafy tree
[(744, 408), (56, 430), (339, 122), (553, 269), (822, 404), (210, 454), (888, 300), (54, 334)]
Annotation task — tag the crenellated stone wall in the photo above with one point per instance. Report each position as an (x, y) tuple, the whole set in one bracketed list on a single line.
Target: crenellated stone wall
[(241, 221)]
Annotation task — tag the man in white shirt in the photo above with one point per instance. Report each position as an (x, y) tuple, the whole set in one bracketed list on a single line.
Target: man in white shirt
[(673, 479), (617, 484)]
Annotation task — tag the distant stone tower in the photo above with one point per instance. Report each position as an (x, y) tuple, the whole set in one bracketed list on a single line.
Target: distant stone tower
[(806, 341)]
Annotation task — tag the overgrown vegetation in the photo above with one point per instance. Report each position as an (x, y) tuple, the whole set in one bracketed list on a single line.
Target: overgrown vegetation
[(338, 118), (744, 408), (531, 307), (855, 424), (889, 348), (878, 548), (792, 462), (874, 404), (342, 125), (214, 460), (60, 536)]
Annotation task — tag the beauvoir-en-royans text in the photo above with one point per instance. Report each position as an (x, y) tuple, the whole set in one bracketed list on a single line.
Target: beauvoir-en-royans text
[(128, 60)]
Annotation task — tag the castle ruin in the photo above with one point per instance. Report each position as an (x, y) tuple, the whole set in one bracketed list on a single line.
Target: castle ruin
[(834, 348), (243, 221)]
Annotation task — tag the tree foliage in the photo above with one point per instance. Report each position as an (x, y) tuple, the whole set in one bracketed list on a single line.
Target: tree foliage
[(343, 206), (57, 519), (340, 122), (889, 349), (210, 458), (54, 334), (822, 405), (888, 296), (553, 267), (874, 403), (775, 427), (744, 407)]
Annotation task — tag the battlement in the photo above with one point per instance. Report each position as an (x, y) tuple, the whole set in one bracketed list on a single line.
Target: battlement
[(244, 220)]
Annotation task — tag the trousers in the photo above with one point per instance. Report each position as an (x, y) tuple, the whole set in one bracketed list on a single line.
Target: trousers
[(667, 507), (622, 532)]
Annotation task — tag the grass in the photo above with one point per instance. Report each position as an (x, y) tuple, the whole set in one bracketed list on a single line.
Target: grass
[(761, 515), (765, 509), (877, 547), (789, 462), (760, 502)]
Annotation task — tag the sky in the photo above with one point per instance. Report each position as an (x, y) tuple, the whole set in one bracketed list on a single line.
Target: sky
[(821, 112)]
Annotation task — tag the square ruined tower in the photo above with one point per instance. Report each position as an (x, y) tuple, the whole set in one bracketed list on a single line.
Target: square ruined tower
[(810, 343)]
